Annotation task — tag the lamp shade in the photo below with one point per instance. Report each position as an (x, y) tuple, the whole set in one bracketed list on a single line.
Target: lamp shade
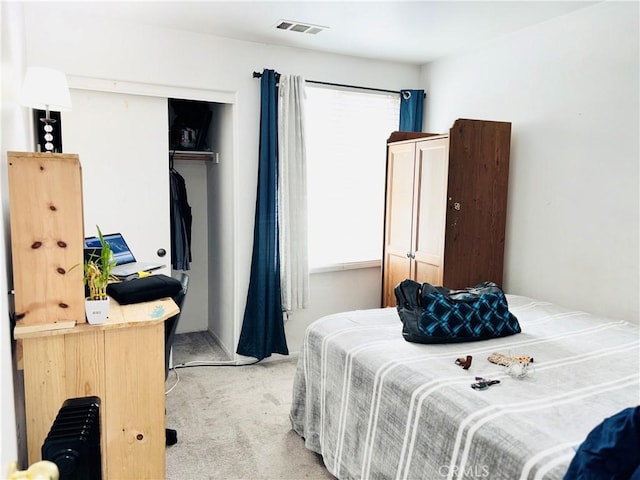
[(45, 88)]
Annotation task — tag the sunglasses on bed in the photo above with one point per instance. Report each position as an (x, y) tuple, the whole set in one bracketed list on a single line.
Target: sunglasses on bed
[(483, 383)]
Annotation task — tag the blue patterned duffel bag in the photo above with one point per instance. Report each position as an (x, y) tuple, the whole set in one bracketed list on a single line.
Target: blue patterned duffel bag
[(438, 315)]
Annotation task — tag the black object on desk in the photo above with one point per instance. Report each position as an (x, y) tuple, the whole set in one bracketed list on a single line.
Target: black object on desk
[(144, 289)]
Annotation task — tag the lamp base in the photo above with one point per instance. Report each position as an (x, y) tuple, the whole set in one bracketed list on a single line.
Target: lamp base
[(48, 133)]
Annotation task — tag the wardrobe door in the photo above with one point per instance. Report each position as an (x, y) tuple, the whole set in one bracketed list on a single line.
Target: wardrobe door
[(398, 218), (122, 144), (430, 203), (478, 184)]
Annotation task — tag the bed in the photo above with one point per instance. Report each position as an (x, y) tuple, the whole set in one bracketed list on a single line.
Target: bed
[(378, 407)]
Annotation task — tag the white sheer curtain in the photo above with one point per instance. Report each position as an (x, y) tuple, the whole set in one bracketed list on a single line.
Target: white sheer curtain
[(292, 194)]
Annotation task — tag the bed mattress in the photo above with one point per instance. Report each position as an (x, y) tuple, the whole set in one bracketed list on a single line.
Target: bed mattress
[(375, 406)]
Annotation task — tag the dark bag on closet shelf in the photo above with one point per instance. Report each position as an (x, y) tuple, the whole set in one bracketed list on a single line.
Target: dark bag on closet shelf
[(438, 315), (144, 289)]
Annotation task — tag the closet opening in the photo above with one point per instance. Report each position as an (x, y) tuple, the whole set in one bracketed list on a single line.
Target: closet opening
[(200, 153)]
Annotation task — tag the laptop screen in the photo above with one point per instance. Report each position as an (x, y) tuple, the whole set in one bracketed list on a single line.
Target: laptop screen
[(120, 249)]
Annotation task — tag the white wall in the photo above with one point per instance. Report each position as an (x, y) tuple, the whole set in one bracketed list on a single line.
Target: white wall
[(154, 56), (333, 292), (570, 87), (222, 200), (194, 315), (15, 134)]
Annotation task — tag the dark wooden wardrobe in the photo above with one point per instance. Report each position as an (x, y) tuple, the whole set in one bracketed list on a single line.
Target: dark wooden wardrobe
[(445, 206)]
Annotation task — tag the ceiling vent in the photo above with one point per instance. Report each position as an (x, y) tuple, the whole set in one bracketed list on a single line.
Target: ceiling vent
[(299, 27)]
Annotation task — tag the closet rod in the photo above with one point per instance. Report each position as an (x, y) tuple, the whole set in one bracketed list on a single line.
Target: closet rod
[(258, 75)]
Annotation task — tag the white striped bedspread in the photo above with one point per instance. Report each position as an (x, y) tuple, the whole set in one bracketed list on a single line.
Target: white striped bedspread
[(377, 407)]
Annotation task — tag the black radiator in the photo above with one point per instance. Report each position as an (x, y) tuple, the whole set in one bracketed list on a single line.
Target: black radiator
[(73, 443)]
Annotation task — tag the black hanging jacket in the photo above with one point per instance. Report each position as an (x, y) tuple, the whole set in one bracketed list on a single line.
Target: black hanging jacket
[(181, 220)]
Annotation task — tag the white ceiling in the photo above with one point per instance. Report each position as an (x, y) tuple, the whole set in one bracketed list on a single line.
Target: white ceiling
[(407, 31)]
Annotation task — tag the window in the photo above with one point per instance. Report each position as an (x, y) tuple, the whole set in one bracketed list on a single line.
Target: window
[(346, 133)]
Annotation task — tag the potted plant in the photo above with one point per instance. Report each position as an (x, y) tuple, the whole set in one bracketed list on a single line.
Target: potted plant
[(97, 274)]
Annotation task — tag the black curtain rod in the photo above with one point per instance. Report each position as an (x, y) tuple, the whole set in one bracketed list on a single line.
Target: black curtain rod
[(258, 75)]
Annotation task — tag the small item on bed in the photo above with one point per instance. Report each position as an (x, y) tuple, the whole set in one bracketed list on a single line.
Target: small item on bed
[(521, 370), (438, 315), (465, 363), (507, 360), (518, 366), (483, 383)]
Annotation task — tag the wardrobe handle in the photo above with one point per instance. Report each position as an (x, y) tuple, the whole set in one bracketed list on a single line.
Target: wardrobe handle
[(411, 255)]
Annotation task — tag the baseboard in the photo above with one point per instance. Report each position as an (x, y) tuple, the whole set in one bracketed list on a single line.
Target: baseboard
[(216, 339)]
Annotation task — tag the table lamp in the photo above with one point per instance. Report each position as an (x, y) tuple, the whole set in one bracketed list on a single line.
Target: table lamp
[(46, 89)]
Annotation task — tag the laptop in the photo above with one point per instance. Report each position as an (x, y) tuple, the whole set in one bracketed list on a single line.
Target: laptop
[(126, 263)]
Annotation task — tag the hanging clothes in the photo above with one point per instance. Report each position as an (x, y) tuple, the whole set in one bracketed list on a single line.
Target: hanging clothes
[(180, 216)]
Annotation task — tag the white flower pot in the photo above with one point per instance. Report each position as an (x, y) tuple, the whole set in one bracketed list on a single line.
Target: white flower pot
[(97, 310)]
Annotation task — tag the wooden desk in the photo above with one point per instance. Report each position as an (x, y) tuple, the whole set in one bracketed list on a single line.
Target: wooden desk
[(122, 363)]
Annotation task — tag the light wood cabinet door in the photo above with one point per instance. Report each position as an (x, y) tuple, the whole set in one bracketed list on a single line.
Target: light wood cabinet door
[(416, 203), (430, 210), (46, 237), (398, 218), (135, 429)]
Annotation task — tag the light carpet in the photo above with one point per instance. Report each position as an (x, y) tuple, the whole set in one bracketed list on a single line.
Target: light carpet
[(233, 422)]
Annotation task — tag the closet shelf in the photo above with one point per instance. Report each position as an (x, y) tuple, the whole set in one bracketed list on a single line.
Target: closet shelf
[(192, 155)]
